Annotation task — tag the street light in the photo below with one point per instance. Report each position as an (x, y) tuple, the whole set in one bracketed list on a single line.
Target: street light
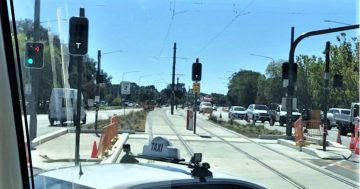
[(263, 56), (333, 21), (98, 75)]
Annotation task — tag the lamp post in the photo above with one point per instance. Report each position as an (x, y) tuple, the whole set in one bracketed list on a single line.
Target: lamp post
[(98, 75), (259, 55), (333, 21)]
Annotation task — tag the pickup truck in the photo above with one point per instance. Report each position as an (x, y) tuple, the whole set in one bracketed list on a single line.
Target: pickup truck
[(346, 120)]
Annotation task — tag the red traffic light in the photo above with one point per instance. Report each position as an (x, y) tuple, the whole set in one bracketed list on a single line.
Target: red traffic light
[(34, 55)]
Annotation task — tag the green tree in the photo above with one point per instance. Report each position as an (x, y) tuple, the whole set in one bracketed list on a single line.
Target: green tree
[(243, 87), (344, 60), (272, 86)]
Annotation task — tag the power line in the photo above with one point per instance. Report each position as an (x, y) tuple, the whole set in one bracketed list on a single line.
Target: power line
[(241, 13)]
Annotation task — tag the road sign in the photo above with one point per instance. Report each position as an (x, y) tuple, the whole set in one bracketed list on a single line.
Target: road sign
[(196, 88), (125, 87), (285, 100), (97, 98), (27, 89), (91, 102)]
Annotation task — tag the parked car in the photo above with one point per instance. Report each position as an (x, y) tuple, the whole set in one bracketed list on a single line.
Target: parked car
[(257, 112), (214, 107), (281, 114), (237, 112), (205, 107)]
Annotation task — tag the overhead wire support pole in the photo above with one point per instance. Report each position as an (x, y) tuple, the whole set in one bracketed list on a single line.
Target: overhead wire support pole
[(173, 82), (98, 93), (291, 62)]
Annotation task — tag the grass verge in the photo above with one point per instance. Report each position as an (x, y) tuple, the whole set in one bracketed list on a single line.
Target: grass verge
[(132, 121), (245, 129)]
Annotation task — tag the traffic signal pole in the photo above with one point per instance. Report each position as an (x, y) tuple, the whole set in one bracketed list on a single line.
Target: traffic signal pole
[(291, 86), (35, 79)]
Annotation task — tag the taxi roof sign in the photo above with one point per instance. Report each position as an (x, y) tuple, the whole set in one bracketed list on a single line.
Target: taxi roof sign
[(161, 147)]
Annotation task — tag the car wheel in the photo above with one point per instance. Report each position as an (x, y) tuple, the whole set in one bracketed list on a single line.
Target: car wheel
[(329, 127), (51, 122), (84, 120), (281, 123), (271, 122)]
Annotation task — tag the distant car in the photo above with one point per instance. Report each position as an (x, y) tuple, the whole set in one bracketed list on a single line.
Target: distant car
[(237, 112), (281, 115), (330, 119), (257, 112), (205, 107), (214, 107)]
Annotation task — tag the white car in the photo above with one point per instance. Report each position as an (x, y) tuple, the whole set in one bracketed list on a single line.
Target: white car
[(281, 115), (237, 112), (256, 112), (132, 172), (205, 107)]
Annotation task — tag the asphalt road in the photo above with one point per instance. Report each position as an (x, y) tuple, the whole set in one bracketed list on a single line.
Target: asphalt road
[(43, 125), (332, 134)]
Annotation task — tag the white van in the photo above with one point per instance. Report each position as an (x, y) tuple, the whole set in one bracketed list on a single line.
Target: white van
[(62, 106)]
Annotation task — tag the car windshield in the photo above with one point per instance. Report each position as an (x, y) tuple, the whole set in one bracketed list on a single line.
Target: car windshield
[(143, 69), (207, 104), (346, 112), (260, 107), (239, 109)]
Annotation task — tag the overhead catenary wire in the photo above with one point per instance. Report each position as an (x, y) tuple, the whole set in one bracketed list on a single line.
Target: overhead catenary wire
[(237, 15)]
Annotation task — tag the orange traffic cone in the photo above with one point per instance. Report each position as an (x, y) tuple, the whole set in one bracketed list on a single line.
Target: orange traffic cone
[(357, 148), (352, 142), (338, 138), (94, 151)]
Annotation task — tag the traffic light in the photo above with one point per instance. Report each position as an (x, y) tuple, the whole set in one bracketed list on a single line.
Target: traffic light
[(99, 78), (338, 81), (196, 71), (285, 71), (78, 35), (34, 55)]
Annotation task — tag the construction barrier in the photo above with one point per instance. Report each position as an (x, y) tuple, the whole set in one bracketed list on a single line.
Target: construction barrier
[(356, 140), (299, 134), (109, 135)]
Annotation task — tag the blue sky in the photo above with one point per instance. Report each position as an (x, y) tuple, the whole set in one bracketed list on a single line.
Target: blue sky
[(222, 34)]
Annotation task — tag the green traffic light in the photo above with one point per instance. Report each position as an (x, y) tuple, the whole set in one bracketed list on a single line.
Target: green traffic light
[(30, 61)]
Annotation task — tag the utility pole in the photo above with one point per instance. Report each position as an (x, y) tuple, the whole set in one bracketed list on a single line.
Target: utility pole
[(98, 92), (326, 91), (173, 82), (177, 89)]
